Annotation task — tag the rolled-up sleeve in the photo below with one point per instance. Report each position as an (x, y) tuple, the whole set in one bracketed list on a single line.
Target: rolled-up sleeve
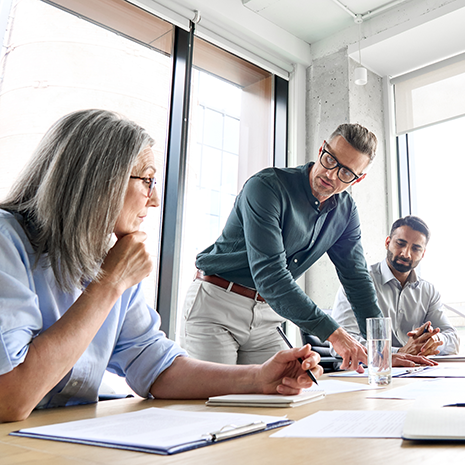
[(142, 352)]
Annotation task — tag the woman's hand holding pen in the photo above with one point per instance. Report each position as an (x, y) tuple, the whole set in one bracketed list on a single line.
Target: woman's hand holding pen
[(285, 374)]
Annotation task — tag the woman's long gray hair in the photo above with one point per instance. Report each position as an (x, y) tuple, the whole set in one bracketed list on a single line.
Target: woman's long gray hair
[(72, 191)]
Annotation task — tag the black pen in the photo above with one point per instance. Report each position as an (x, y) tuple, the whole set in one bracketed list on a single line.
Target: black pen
[(286, 340)]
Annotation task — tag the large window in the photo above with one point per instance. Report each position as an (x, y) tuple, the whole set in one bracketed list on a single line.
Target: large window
[(230, 138), (430, 120), (55, 62), (436, 186), (62, 55)]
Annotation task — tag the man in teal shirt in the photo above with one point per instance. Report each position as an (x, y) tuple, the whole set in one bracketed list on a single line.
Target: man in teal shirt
[(282, 222)]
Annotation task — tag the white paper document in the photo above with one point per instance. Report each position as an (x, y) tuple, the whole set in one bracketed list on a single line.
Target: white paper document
[(155, 430), (347, 424), (333, 386), (443, 370), (395, 373), (427, 388)]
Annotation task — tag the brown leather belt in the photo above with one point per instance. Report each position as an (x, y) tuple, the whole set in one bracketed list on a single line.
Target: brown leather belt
[(233, 287)]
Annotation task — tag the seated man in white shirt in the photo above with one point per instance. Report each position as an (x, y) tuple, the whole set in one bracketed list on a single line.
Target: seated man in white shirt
[(419, 324)]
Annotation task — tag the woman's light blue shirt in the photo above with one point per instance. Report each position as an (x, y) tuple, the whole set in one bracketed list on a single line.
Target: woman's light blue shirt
[(129, 343)]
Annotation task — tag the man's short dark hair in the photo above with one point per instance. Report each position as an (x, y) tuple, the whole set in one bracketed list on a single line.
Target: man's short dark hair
[(359, 137), (417, 224)]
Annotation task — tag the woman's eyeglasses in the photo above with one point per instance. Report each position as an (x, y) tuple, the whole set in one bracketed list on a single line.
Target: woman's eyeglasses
[(149, 182)]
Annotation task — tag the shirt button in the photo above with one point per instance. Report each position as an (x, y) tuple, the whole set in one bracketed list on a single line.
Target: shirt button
[(316, 203), (295, 260)]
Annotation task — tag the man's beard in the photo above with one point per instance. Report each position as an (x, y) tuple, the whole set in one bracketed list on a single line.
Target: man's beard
[(400, 267)]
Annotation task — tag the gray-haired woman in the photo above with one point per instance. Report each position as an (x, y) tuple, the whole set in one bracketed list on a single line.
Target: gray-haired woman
[(71, 306)]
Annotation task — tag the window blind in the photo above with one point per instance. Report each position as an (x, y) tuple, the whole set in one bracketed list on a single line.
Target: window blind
[(430, 95)]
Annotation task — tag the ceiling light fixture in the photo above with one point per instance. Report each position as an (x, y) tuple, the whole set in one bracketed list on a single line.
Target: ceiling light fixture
[(360, 73)]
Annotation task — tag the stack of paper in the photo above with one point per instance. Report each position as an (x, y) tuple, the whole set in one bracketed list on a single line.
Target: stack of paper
[(264, 400)]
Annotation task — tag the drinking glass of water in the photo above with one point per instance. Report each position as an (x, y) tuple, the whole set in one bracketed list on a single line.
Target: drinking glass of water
[(379, 351)]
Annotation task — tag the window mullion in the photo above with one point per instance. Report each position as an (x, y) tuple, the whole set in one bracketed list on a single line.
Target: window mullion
[(174, 181), (405, 204), (281, 102)]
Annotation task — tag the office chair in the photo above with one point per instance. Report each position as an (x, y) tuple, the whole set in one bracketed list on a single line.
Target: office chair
[(328, 362)]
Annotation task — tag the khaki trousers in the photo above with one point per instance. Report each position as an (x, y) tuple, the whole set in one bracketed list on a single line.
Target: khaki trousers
[(225, 327)]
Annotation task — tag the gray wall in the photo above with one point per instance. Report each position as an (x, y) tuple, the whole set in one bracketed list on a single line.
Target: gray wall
[(332, 99)]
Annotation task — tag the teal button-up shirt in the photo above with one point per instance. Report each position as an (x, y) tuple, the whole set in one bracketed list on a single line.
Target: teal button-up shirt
[(276, 231)]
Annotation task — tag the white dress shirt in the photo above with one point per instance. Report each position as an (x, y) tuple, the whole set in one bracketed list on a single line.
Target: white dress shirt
[(408, 307)]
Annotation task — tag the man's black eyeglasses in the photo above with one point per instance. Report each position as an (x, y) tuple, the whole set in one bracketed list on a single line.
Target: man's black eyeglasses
[(329, 161), (150, 182)]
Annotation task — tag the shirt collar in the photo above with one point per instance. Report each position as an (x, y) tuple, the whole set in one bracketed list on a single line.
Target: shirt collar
[(387, 274)]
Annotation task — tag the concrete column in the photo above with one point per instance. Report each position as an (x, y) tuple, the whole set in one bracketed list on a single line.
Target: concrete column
[(332, 99)]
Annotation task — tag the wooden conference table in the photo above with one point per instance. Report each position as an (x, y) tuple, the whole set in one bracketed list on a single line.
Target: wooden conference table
[(255, 449)]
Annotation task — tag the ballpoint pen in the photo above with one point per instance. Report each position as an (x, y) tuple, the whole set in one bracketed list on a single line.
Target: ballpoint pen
[(426, 330), (286, 340)]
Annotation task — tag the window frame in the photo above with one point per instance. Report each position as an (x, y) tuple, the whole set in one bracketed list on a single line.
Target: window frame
[(175, 175), (168, 273), (403, 176)]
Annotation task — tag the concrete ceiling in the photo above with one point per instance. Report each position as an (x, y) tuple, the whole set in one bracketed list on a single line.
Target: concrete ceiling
[(397, 36), (410, 49), (313, 20)]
